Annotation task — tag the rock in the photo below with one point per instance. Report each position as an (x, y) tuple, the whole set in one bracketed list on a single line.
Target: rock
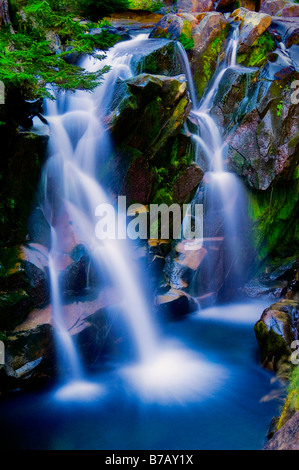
[(275, 332), (194, 5), (139, 181), (25, 347), (287, 438), (170, 27), (271, 7), (209, 39), (38, 288), (265, 289), (264, 145), (14, 307), (289, 10), (153, 110), (187, 183), (285, 30), (232, 89), (23, 155), (158, 58), (252, 26), (175, 305), (225, 6)]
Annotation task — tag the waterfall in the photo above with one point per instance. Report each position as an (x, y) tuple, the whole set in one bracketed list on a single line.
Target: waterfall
[(224, 197), (78, 144)]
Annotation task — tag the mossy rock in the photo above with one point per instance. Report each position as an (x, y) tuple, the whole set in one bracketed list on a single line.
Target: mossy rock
[(205, 62), (276, 331)]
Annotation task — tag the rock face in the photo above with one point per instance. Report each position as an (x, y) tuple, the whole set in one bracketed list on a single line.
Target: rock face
[(275, 332), (151, 156), (287, 438)]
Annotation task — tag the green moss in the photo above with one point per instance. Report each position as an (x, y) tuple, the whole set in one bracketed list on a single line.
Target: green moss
[(147, 5), (256, 56), (272, 345), (274, 215), (186, 36), (291, 405), (206, 63)]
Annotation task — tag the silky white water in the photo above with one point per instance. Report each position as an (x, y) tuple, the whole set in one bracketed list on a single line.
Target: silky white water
[(224, 197), (78, 143)]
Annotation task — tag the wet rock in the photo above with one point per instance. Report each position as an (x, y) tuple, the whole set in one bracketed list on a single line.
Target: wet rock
[(119, 34), (285, 30), (233, 87), (265, 145), (24, 350), (266, 289), (253, 25), (175, 305), (153, 110), (38, 288), (187, 183), (271, 7), (209, 39), (139, 181), (158, 58), (275, 332), (289, 10), (287, 438)]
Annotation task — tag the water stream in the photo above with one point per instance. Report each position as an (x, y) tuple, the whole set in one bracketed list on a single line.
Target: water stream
[(197, 384), (222, 192)]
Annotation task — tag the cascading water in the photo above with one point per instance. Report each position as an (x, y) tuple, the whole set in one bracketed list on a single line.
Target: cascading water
[(224, 199), (79, 143), (72, 195)]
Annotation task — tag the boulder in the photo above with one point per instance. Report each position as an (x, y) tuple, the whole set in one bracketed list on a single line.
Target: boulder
[(170, 27), (194, 5), (158, 58), (153, 109), (253, 25), (277, 328), (289, 10), (287, 438), (175, 304), (272, 7)]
